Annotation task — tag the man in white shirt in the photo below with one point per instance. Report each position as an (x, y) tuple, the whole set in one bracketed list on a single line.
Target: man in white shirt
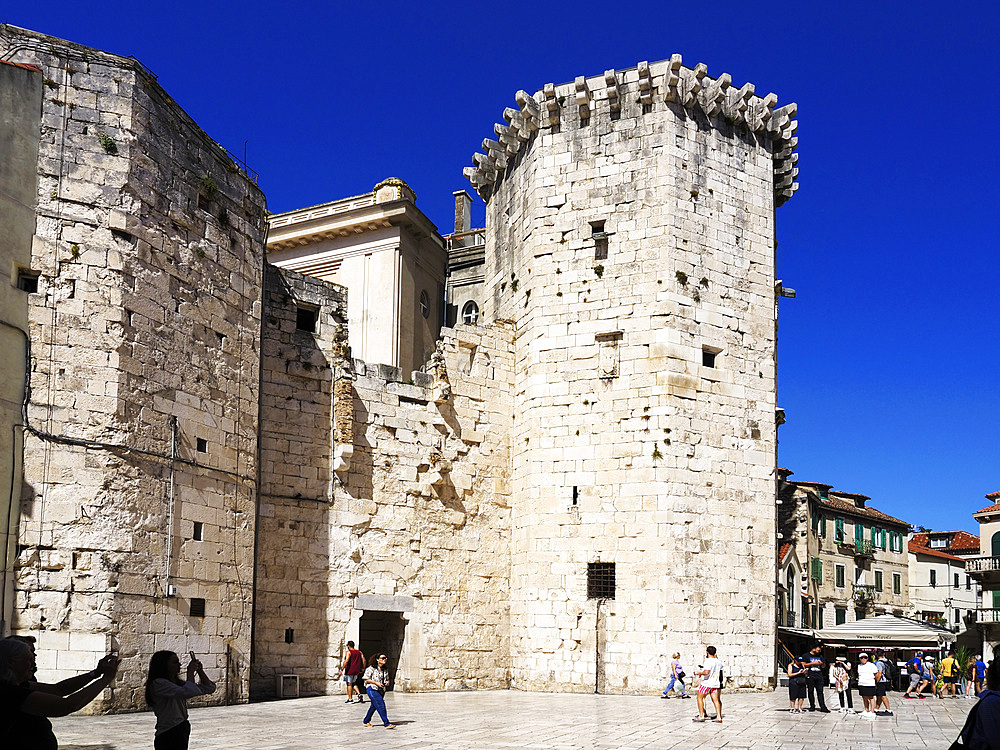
[(711, 684)]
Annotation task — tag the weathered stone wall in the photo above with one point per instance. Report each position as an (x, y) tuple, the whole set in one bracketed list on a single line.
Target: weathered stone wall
[(299, 369), (418, 519), (143, 406), (630, 237)]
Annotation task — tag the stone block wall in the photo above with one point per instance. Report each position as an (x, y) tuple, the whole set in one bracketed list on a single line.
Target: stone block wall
[(140, 458), (413, 519), (301, 361), (630, 239)]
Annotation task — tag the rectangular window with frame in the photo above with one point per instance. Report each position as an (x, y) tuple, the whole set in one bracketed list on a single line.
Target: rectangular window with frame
[(816, 570), (840, 576), (859, 533), (838, 530), (957, 581), (840, 615), (878, 580), (897, 583), (968, 583), (933, 578)]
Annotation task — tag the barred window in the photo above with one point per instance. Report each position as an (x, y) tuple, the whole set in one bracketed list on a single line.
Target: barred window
[(600, 580)]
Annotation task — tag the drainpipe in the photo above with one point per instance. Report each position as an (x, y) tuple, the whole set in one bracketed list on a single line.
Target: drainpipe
[(167, 586), (597, 648)]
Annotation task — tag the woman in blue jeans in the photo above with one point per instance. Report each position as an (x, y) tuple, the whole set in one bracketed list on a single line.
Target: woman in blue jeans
[(376, 681), (676, 676)]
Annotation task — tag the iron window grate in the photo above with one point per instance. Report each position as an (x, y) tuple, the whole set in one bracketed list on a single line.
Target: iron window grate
[(600, 580)]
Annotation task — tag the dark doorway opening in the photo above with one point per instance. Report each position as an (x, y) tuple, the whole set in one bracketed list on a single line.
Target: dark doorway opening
[(382, 632)]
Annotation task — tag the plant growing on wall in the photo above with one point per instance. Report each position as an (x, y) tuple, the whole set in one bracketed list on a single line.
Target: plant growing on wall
[(207, 186), (682, 278), (107, 143), (599, 270)]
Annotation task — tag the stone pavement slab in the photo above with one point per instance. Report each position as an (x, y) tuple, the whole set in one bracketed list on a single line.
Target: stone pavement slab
[(487, 720)]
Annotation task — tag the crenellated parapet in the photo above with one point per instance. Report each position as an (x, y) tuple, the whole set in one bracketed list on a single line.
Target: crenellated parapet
[(648, 85)]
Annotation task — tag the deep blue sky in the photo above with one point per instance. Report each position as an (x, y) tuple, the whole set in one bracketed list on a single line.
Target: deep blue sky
[(888, 358)]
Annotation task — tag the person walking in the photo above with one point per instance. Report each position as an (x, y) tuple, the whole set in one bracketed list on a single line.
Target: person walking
[(814, 680), (353, 665), (167, 695), (26, 706), (711, 684), (884, 664), (796, 685), (676, 676), (376, 681), (840, 678), (949, 674), (915, 668), (868, 677), (979, 674)]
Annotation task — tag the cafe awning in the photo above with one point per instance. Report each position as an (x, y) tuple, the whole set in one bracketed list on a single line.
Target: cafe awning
[(886, 631)]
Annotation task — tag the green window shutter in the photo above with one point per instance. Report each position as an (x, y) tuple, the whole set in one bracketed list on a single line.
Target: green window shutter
[(859, 532), (874, 536), (822, 526), (838, 530)]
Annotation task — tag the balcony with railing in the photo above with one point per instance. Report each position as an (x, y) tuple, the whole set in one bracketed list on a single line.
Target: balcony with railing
[(864, 595), (985, 570), (986, 615)]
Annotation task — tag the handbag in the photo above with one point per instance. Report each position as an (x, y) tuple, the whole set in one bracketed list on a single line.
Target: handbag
[(680, 674)]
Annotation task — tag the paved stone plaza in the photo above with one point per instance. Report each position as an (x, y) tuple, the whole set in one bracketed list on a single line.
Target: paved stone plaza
[(508, 719)]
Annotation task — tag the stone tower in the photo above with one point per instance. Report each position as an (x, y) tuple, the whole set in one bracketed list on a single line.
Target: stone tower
[(630, 240)]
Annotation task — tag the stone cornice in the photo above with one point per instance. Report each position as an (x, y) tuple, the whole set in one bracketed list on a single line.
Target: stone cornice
[(345, 218), (665, 83)]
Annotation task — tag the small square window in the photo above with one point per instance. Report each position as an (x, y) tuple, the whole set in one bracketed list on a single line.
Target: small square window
[(201, 444), (197, 608), (708, 357), (27, 281), (198, 531), (600, 580), (203, 202), (305, 318), (289, 635)]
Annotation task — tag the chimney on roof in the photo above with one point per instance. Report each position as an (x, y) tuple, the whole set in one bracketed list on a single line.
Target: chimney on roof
[(463, 211)]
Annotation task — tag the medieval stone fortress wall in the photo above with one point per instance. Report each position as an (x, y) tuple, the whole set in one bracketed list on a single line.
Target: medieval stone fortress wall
[(557, 499), (137, 503), (630, 238)]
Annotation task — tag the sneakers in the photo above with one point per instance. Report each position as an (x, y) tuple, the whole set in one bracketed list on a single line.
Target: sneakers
[(349, 700), (685, 696), (907, 695), (868, 715), (360, 700)]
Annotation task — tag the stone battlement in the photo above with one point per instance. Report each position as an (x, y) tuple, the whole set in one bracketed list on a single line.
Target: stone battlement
[(645, 86)]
